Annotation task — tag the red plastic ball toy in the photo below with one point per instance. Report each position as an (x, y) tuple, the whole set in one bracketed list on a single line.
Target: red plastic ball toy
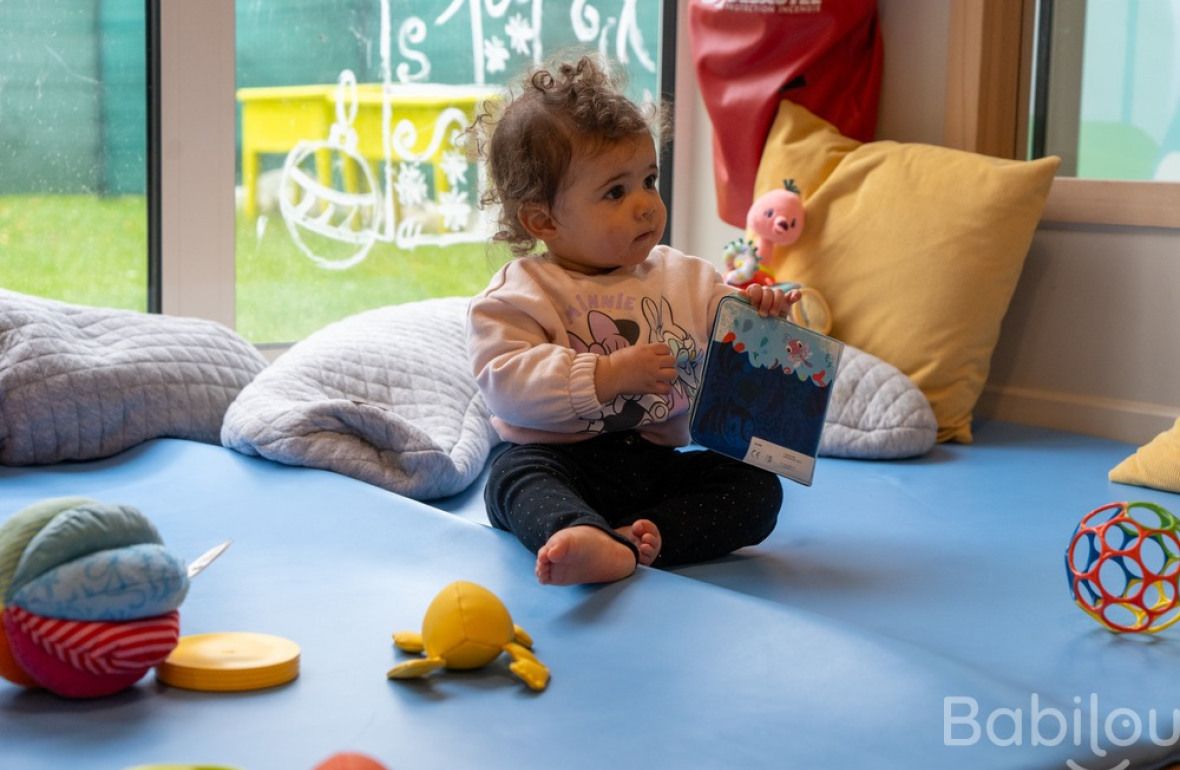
[(1123, 567)]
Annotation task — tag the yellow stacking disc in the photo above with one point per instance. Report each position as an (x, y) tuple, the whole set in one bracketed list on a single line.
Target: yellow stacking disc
[(230, 661)]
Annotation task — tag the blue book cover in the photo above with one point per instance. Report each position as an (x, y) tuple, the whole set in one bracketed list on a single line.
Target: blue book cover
[(765, 390)]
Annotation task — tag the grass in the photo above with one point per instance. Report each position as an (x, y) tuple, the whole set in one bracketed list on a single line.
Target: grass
[(92, 251), (76, 248)]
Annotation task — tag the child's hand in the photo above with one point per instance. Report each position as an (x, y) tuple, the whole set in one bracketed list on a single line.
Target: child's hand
[(635, 370), (772, 302)]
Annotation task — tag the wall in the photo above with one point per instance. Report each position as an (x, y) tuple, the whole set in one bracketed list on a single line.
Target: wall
[(1089, 343), (1090, 340)]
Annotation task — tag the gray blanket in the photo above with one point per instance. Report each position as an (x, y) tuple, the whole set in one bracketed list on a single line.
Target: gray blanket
[(387, 396), (876, 412), (83, 382)]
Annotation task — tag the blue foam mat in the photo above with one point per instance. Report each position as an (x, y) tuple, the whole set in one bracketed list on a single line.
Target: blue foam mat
[(887, 589)]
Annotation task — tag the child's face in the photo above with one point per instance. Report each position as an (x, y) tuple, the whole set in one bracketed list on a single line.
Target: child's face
[(609, 212)]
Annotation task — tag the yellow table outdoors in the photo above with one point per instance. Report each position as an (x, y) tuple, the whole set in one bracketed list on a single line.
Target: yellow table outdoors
[(276, 119)]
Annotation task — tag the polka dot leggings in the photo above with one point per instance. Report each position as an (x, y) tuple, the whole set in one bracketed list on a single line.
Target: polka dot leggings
[(705, 505)]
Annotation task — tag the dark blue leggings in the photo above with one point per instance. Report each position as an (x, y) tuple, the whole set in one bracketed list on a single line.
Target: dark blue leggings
[(705, 505)]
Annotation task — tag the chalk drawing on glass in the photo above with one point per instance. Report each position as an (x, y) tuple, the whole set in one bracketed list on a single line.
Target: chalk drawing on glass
[(426, 191), (321, 218)]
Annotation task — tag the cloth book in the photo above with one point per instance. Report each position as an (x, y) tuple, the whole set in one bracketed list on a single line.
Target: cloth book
[(765, 390)]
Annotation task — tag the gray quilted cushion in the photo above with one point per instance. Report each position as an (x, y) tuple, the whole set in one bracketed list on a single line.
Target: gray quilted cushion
[(876, 412), (385, 396), (82, 382)]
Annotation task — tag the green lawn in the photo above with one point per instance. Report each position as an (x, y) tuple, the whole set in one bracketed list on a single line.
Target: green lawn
[(76, 248), (93, 250)]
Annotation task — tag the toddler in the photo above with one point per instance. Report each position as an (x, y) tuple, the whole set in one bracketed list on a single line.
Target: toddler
[(589, 352)]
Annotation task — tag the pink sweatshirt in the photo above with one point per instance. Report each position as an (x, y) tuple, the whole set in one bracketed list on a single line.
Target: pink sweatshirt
[(535, 334)]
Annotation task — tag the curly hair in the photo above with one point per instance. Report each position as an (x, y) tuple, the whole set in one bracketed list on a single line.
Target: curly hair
[(533, 137)]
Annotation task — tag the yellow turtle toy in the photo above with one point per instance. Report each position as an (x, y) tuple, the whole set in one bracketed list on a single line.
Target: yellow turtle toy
[(466, 626)]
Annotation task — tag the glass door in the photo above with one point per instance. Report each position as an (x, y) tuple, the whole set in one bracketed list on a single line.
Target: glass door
[(355, 189), (73, 158)]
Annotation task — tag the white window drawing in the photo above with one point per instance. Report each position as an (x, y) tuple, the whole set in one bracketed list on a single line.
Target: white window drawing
[(427, 191)]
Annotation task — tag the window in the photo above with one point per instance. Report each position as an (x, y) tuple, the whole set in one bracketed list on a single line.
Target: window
[(73, 212), (1106, 88), (996, 48), (74, 200), (353, 187)]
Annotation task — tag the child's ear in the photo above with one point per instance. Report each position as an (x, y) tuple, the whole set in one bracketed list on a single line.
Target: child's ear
[(536, 220)]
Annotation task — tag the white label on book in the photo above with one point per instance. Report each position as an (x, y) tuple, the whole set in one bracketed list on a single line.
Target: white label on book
[(781, 460)]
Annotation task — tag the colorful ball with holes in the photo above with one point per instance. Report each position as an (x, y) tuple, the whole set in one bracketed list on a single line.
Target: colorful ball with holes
[(1123, 567)]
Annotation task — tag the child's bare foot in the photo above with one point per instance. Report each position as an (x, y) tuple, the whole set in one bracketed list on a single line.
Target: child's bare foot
[(646, 536), (583, 554)]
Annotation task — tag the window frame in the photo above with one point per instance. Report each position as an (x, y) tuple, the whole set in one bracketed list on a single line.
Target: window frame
[(988, 75), (195, 152)]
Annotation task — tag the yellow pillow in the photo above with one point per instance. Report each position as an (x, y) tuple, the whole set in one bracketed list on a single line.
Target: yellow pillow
[(916, 248), (1155, 464)]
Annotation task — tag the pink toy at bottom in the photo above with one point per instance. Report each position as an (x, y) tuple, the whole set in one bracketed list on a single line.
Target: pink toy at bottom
[(350, 760)]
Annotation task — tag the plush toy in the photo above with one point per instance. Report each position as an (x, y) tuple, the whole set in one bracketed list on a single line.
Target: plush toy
[(775, 219), (466, 626), (89, 597), (744, 265)]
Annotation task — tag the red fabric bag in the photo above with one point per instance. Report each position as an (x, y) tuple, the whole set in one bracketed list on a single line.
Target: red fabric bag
[(825, 55)]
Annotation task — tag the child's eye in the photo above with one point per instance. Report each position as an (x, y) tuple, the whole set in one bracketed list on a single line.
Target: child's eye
[(615, 193), (650, 182)]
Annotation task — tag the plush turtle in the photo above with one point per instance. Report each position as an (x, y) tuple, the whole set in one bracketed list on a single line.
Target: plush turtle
[(467, 626)]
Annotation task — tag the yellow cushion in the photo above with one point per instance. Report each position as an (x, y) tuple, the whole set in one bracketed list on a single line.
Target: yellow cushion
[(1155, 464), (916, 248)]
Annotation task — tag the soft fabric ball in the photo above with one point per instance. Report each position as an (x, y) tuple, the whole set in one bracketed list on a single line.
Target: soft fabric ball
[(22, 527), (9, 668), (135, 581), (88, 596), (86, 659)]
